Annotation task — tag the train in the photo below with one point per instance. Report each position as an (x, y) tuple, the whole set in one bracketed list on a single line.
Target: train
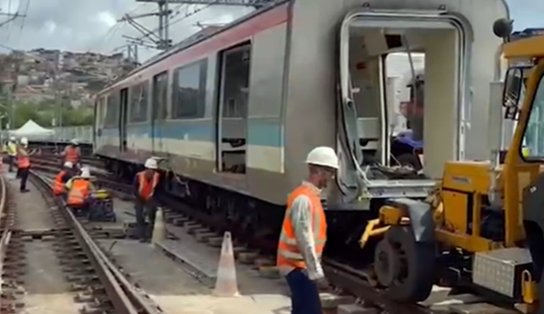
[(231, 115)]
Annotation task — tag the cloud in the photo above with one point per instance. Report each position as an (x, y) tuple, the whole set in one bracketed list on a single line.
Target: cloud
[(91, 25), (82, 25)]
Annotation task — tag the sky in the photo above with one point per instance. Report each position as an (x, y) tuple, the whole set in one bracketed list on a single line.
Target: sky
[(91, 25)]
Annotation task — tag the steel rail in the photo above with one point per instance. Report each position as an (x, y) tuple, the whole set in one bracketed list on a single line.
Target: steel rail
[(121, 293), (358, 285), (6, 234)]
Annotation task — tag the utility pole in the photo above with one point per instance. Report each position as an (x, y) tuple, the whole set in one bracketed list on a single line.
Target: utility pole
[(10, 17), (160, 40), (245, 3), (160, 37), (11, 90)]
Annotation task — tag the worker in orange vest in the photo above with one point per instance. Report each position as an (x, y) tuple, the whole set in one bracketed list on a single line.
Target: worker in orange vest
[(23, 163), (79, 191), (62, 178), (72, 153), (145, 205), (304, 233)]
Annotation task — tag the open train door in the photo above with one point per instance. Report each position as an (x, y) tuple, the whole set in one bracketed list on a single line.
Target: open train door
[(98, 122), (366, 36), (123, 120), (159, 101)]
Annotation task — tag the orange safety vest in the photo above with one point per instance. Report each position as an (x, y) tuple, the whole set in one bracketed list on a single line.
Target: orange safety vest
[(79, 192), (72, 154), (22, 159), (58, 186), (146, 187), (288, 251)]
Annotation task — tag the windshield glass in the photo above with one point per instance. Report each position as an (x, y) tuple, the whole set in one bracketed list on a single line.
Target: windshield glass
[(533, 140)]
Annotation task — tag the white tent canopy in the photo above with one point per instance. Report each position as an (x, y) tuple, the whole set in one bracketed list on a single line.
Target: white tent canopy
[(32, 130)]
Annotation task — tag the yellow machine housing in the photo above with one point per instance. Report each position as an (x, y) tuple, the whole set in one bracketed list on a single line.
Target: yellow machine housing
[(476, 220)]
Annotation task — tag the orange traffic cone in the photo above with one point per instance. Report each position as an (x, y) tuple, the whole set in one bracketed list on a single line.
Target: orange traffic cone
[(226, 284)]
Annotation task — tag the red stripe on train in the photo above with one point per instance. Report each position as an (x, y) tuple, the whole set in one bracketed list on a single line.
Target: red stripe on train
[(238, 34)]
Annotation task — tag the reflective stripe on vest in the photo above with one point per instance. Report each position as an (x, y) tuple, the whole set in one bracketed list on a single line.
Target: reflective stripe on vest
[(147, 187), (78, 192), (288, 251), (12, 149), (72, 154), (58, 187), (22, 159)]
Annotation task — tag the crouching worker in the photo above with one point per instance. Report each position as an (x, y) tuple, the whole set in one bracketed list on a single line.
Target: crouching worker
[(145, 205), (79, 190), (62, 178)]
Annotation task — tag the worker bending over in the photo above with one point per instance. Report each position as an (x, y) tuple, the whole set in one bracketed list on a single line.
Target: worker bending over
[(23, 163), (304, 233), (72, 153), (11, 149), (62, 178), (145, 205), (79, 190)]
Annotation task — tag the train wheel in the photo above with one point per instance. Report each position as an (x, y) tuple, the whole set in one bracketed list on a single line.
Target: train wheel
[(386, 263), (413, 272)]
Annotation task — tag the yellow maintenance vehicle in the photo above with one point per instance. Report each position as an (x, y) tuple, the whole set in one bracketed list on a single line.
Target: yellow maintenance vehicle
[(482, 229)]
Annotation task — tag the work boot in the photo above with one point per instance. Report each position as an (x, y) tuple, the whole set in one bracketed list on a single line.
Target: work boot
[(25, 190)]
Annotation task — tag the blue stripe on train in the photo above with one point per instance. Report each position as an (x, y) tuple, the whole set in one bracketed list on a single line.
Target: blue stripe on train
[(263, 133)]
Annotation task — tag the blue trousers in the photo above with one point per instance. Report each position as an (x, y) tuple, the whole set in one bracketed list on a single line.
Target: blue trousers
[(304, 293)]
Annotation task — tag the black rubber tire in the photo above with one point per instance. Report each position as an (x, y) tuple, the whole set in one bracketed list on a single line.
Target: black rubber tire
[(386, 263), (409, 160), (417, 261)]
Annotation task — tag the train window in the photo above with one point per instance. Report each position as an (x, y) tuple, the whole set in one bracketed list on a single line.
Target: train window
[(138, 102), (112, 106), (160, 85), (189, 92)]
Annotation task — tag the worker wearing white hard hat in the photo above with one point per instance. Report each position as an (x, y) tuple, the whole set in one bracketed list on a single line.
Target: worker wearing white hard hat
[(304, 233), (80, 189), (145, 204), (72, 152), (11, 150), (23, 163), (62, 178)]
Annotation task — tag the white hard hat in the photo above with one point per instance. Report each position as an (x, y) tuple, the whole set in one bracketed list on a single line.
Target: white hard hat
[(74, 142), (323, 156), (24, 141), (151, 164), (12, 138), (86, 173), (69, 164)]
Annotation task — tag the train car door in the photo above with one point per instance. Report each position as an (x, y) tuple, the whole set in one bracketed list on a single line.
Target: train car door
[(159, 112), (123, 120), (232, 108), (98, 121)]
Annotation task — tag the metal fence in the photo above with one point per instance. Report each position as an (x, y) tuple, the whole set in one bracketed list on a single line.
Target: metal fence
[(84, 134)]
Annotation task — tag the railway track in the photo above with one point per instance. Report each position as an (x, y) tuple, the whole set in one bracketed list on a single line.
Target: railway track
[(348, 282), (350, 285), (51, 264)]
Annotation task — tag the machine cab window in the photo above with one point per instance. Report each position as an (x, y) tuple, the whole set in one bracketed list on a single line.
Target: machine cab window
[(533, 139)]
